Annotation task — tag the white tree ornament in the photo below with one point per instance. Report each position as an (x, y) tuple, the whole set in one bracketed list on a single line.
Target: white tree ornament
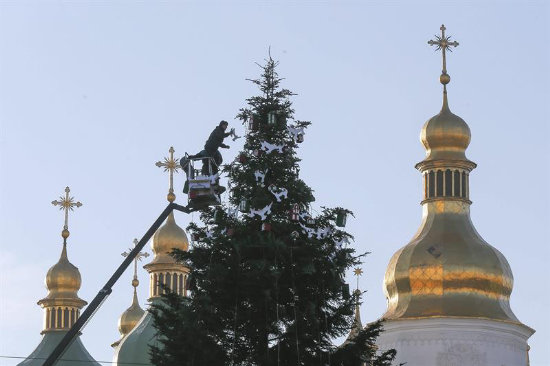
[(262, 213), (295, 131), (267, 147), (279, 193)]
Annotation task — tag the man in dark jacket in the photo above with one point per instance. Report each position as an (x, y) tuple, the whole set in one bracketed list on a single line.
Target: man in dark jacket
[(215, 141)]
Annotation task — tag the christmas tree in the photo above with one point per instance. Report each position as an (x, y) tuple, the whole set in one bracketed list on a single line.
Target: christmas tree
[(267, 274)]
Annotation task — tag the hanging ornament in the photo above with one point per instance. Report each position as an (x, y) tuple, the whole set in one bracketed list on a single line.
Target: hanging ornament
[(294, 235), (300, 138), (266, 226), (195, 237), (260, 176), (257, 153), (244, 206), (253, 123), (341, 217), (267, 147), (242, 158), (271, 118), (230, 231), (295, 212)]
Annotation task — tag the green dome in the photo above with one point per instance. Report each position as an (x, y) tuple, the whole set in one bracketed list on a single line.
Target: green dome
[(76, 353), (134, 348)]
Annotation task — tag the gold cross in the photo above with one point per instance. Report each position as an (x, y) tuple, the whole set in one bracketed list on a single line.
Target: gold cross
[(170, 165), (443, 43), (138, 257), (66, 203)]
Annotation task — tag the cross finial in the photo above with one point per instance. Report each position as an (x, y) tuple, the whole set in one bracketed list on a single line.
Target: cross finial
[(444, 44), (67, 204), (138, 258), (170, 165)]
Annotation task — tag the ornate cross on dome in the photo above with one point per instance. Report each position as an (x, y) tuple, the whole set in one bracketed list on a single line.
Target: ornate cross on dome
[(67, 204), (140, 255), (443, 43), (170, 165)]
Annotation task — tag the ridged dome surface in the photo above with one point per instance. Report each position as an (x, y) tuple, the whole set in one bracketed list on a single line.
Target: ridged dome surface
[(445, 136), (448, 270), (168, 237), (63, 279), (130, 317)]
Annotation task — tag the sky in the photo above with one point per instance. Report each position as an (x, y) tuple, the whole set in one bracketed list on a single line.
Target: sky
[(92, 94)]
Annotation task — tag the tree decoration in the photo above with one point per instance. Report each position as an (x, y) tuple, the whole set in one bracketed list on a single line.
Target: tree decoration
[(260, 176), (253, 123), (244, 206), (341, 217), (242, 158), (279, 193), (257, 153), (272, 147), (295, 212), (271, 118), (266, 226), (261, 212)]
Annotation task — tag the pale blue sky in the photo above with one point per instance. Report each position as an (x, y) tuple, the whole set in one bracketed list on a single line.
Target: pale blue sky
[(92, 94)]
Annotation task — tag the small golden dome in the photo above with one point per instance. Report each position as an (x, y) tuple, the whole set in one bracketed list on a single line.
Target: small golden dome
[(445, 136), (130, 317), (63, 279), (168, 237)]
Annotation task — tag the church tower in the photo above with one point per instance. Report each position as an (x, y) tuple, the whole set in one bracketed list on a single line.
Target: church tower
[(165, 274), (62, 305), (448, 290)]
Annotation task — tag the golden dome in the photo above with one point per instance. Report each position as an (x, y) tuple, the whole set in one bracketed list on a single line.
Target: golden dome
[(445, 136), (130, 317), (63, 280), (168, 237), (448, 270)]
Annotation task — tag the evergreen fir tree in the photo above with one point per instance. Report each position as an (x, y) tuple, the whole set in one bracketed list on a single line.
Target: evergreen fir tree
[(267, 285)]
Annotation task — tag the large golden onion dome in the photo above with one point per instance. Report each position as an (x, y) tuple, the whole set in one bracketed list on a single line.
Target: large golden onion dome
[(445, 136), (168, 237), (63, 281), (448, 270)]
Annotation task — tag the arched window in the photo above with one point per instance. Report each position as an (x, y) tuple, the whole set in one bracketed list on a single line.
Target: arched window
[(52, 319), (156, 284), (66, 318), (180, 289), (431, 185), (448, 183), (425, 176), (73, 319), (464, 185), (168, 283), (439, 183), (456, 184), (59, 315), (48, 320), (161, 282)]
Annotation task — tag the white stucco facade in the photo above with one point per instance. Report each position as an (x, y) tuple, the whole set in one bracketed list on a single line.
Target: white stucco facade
[(456, 342)]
